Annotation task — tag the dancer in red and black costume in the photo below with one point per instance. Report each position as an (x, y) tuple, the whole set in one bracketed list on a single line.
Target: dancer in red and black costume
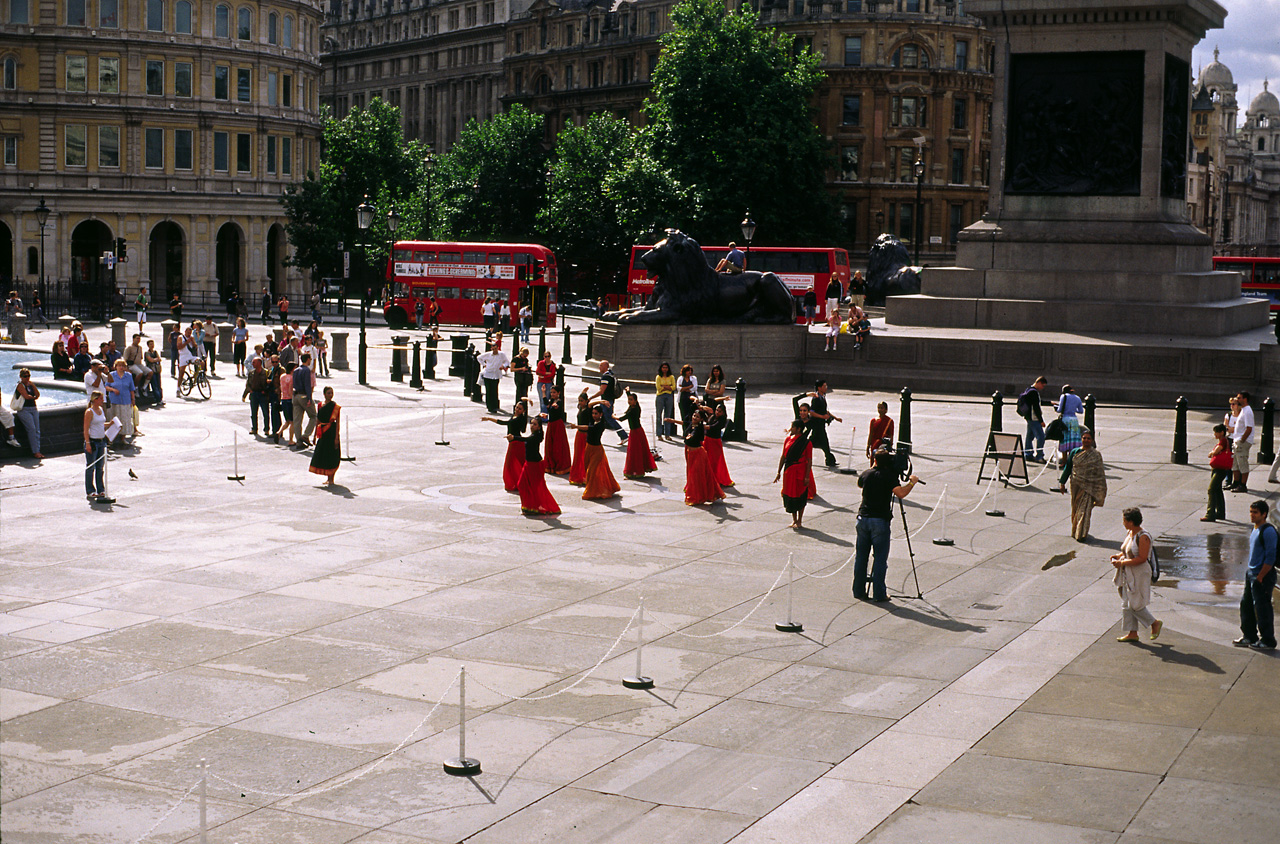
[(535, 498), (700, 485), (578, 469), (639, 455), (514, 463), (714, 443), (558, 458), (600, 482), (795, 468)]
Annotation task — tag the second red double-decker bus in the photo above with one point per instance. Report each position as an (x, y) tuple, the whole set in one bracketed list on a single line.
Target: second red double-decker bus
[(462, 275), (1259, 277), (799, 268)]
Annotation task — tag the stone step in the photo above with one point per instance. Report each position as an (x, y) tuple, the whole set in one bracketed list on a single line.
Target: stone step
[(1202, 319), (1138, 286)]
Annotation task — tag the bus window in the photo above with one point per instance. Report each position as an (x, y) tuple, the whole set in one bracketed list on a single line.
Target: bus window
[(402, 289), (403, 255), (499, 258), (1268, 275), (447, 293), (449, 257), (842, 258), (473, 258), (424, 257)]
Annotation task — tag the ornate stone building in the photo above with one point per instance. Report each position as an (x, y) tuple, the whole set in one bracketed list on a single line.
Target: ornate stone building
[(171, 124)]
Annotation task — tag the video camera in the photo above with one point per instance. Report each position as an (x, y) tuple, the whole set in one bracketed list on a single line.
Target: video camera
[(901, 461)]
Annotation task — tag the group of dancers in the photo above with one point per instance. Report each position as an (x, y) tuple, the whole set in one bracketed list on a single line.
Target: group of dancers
[(525, 468)]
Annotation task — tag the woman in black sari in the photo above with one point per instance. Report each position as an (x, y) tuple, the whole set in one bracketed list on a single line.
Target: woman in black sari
[(326, 457)]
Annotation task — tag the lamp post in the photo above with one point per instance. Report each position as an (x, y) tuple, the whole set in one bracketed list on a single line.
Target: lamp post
[(918, 169), (364, 219), (42, 217), (748, 232)]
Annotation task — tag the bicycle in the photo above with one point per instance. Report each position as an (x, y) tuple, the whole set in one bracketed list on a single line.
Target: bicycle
[(195, 379)]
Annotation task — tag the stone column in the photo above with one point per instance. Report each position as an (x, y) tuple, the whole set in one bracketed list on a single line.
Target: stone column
[(18, 329), (119, 326), (338, 350), (65, 321), (224, 341)]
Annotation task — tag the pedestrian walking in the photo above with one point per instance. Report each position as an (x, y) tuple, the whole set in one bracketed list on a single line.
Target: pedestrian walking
[(1257, 618), (239, 345), (1069, 408), (1029, 408), (1085, 468), (1220, 462), (1133, 578), (795, 469), (257, 389), (879, 487), (140, 305), (880, 431), (304, 383)]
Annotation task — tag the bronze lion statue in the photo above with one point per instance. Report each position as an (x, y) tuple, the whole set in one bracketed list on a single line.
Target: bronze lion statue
[(687, 290), (888, 270)]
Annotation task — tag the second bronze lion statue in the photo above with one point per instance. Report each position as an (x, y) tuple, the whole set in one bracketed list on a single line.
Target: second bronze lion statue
[(687, 290)]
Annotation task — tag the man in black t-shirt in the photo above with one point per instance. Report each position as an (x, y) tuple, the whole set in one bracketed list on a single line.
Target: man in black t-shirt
[(879, 485), (609, 391), (819, 418)]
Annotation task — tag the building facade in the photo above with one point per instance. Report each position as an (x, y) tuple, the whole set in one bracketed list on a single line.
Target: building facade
[(168, 127)]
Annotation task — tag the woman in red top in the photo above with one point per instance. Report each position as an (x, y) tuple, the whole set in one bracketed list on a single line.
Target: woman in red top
[(639, 456), (514, 463), (535, 498), (881, 428), (795, 469), (546, 372), (558, 459), (578, 469)]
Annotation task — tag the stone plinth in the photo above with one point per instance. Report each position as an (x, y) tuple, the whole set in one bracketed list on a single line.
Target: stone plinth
[(18, 329), (763, 355), (226, 344), (119, 327), (338, 350)]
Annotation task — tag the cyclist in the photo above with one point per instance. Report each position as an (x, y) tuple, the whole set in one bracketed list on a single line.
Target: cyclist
[(188, 353)]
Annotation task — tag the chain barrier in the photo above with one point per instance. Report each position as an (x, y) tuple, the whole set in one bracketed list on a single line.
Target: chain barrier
[(372, 767), (166, 815)]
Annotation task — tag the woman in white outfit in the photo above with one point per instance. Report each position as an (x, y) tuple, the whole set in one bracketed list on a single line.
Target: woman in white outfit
[(1133, 578)]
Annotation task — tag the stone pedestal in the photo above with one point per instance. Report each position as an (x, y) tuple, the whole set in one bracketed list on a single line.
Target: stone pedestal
[(763, 355), (1087, 229), (166, 328), (119, 326), (224, 341), (338, 349), (18, 329), (65, 322)]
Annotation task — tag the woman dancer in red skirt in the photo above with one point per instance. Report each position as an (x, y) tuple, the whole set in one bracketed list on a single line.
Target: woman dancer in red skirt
[(639, 456), (558, 459), (600, 482), (514, 464), (535, 498), (714, 443), (795, 469), (805, 420), (578, 470), (700, 485)]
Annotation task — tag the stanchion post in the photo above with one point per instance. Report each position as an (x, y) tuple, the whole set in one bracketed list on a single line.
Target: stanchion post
[(738, 433), (790, 625), (346, 439), (639, 681), (442, 440), (235, 456), (995, 495), (1267, 451), (904, 423), (997, 411), (1090, 405), (415, 372), (463, 766), (942, 505), (542, 342), (432, 355), (560, 382), (591, 340), (566, 357), (1179, 453)]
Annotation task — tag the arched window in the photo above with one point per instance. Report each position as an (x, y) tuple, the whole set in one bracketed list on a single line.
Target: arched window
[(182, 17), (155, 15), (10, 74), (273, 36), (543, 85), (244, 24), (222, 22), (288, 32), (910, 56), (1262, 144)]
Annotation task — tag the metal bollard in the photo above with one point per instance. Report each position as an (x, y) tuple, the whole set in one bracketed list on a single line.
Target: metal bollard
[(430, 361), (457, 356), (738, 430), (997, 411), (542, 342), (1090, 405), (1266, 447), (1179, 453), (415, 377), (477, 390), (397, 365), (560, 382), (566, 357), (591, 341), (904, 423), (465, 369)]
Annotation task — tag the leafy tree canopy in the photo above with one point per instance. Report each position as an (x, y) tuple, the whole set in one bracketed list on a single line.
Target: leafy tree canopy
[(730, 115)]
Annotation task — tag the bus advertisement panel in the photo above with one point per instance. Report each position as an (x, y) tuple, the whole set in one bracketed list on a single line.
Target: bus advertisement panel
[(800, 268), (1259, 277), (460, 276)]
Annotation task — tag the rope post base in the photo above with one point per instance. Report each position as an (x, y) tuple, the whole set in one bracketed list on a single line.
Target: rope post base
[(947, 542), (462, 765), (790, 625), (638, 680)]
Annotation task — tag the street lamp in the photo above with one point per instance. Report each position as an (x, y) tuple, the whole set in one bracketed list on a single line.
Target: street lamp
[(42, 217), (918, 169), (364, 219), (748, 232)]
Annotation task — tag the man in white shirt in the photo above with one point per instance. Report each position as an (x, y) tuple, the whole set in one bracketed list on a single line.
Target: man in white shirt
[(95, 380), (492, 364), (1242, 442)]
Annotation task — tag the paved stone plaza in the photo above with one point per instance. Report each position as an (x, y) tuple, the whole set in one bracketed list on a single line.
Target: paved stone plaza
[(299, 640)]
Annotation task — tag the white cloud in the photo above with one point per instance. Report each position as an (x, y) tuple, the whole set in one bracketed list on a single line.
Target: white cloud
[(1249, 45)]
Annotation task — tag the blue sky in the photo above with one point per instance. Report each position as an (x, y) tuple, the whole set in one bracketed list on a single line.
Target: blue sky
[(1248, 44)]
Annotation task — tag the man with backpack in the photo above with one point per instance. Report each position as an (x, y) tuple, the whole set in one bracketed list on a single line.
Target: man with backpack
[(1257, 619), (1029, 408), (610, 392)]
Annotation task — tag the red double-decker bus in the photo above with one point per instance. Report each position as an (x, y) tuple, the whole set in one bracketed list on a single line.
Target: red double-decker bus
[(799, 267), (462, 275), (1259, 277)]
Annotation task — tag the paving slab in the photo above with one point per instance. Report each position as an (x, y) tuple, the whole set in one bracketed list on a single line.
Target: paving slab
[(1193, 810), (1120, 746), (913, 824)]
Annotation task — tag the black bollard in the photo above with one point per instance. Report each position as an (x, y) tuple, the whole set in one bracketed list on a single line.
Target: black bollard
[(566, 357), (415, 378), (1090, 405), (473, 358), (560, 385), (397, 370), (738, 431), (457, 356), (464, 368), (1179, 453), (432, 355), (1266, 448), (997, 411), (542, 342), (904, 423), (591, 341)]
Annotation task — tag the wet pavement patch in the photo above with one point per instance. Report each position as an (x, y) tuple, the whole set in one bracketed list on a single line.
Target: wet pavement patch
[(1213, 564)]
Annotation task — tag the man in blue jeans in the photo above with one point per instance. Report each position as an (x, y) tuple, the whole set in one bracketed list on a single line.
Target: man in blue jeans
[(879, 485), (1257, 619), (1029, 408)]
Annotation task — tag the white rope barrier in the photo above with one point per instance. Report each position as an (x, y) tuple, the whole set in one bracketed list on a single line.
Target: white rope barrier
[(829, 574), (166, 815), (975, 507), (935, 509), (737, 623)]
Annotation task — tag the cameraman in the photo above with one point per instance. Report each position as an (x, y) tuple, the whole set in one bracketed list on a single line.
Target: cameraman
[(878, 485)]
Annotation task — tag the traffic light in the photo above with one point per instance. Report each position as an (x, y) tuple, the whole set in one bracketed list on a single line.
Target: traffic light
[(122, 247)]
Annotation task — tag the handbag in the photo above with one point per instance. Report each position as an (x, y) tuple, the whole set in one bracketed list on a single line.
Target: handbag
[(17, 402), (1221, 461), (1056, 430)]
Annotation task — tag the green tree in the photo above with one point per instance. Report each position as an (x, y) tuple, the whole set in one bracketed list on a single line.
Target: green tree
[(604, 193), (730, 116), (362, 154), (489, 186)]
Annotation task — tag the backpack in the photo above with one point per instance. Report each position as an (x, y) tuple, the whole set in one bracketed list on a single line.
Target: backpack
[(1154, 560), (615, 390), (1024, 403)]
